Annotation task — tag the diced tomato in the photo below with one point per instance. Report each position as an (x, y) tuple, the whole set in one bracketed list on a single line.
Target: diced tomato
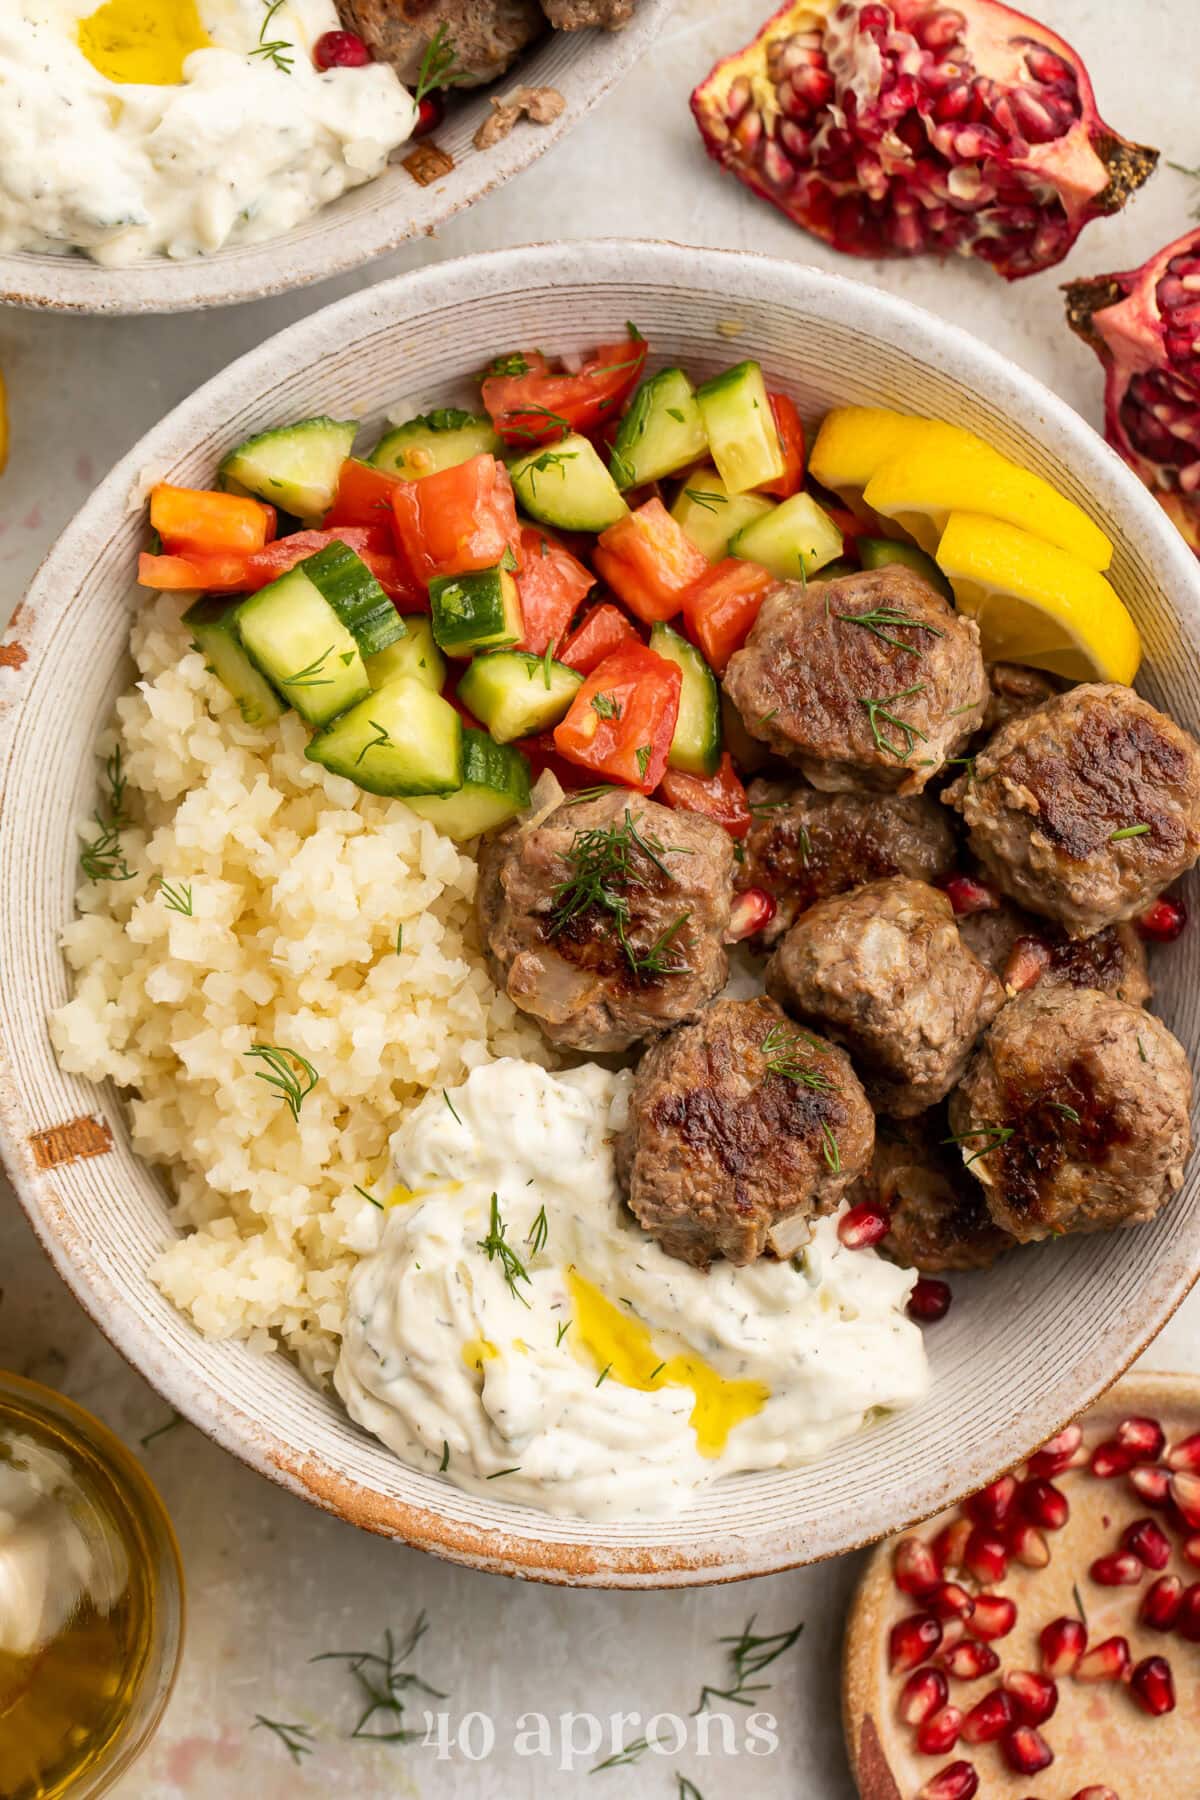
[(848, 523), (601, 630), (193, 519), (541, 755), (538, 407), (649, 562), (364, 496), (790, 427), (720, 609), (457, 519), (720, 797), (622, 719), (246, 574), (552, 583), (179, 574)]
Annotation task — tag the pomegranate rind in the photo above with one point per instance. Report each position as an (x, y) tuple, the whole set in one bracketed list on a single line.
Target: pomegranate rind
[(1054, 188)]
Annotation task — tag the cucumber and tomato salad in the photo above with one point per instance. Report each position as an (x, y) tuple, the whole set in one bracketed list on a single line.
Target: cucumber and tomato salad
[(564, 571)]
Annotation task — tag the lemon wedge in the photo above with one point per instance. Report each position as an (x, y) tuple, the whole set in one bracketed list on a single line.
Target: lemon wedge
[(1035, 603), (852, 443)]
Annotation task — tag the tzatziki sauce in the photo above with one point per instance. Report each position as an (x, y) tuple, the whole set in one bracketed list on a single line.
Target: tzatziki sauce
[(135, 128), (512, 1326)]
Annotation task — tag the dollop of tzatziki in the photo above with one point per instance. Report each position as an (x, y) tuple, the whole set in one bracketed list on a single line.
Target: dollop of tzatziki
[(513, 1327), (133, 128)]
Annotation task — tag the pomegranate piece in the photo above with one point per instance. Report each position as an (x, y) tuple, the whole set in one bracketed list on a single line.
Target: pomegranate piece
[(1062, 1643), (1026, 1750), (924, 1693), (1150, 1484), (1096, 1793), (989, 1718), (431, 111), (753, 909), (914, 1567), (913, 1640), (1188, 1622), (950, 1544), (994, 1616), (913, 127), (1161, 1604), (1027, 962), (967, 894), (1044, 1504), (1034, 1696), (1148, 1542), (1185, 1455), (993, 1504), (969, 1661), (957, 1781), (1057, 1454), (1185, 1493), (1190, 1551), (939, 1734), (1109, 1661), (1111, 1458), (863, 1226), (1153, 1686), (950, 1601), (986, 1557), (1144, 1438), (340, 50), (929, 1300), (1121, 1569), (1028, 1545), (1166, 918)]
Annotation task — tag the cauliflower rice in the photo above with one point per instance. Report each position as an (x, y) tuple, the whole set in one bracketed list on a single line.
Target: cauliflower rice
[(325, 920)]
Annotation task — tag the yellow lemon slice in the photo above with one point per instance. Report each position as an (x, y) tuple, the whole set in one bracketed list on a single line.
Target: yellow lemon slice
[(852, 443), (1034, 603)]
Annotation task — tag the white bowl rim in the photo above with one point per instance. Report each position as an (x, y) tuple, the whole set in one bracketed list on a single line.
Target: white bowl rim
[(503, 1549)]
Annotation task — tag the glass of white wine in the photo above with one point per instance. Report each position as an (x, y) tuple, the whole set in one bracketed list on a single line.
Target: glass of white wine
[(91, 1600)]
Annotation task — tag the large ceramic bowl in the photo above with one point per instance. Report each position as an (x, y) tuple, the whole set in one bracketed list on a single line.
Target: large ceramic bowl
[(1024, 1347), (427, 182)]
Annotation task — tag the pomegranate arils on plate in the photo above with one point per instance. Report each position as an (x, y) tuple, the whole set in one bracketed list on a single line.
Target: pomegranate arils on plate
[(1185, 1455), (1161, 1604), (939, 1734), (1028, 1545), (1150, 1484), (753, 909), (1109, 1661), (1062, 1643), (929, 1300), (949, 1546), (950, 1601), (1190, 1551), (1034, 1696), (1044, 1504), (1148, 1542), (1121, 1569), (1026, 1750), (1111, 1458), (986, 1556), (340, 50), (1144, 1438), (969, 1661), (993, 1504), (1165, 919), (968, 895), (1188, 1622), (994, 1616), (989, 1718), (431, 111), (863, 1226), (1185, 1493), (1057, 1453), (924, 1693), (1028, 961), (957, 1781), (1096, 1793), (913, 1641), (1153, 1686), (901, 129), (914, 1567)]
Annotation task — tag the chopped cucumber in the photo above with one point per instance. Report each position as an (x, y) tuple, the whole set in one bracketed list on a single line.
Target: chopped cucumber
[(696, 745), (415, 655), (793, 541), (516, 694), (355, 596), (711, 516), (475, 612), (402, 740), (295, 467), (433, 441), (567, 485), (834, 571), (495, 789), (298, 641), (741, 428), (211, 623), (877, 553), (661, 433)]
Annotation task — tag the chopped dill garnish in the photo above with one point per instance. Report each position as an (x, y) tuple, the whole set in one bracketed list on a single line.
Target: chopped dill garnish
[(833, 1155), (292, 1737), (708, 500), (367, 1196), (1078, 1598), (643, 759), (161, 1430), (994, 1138), (445, 1462), (386, 1685), (440, 69), (788, 1053), (605, 863), (515, 1470), (880, 617), (748, 1655), (495, 1245), (539, 1231), (310, 675), (654, 1372), (605, 706), (620, 1758), (514, 364), (176, 899), (450, 1104), (1068, 1112), (278, 50), (605, 1372), (549, 459), (687, 1789), (878, 709), (399, 939), (103, 859), (376, 743), (291, 1074), (562, 1332), (1128, 831)]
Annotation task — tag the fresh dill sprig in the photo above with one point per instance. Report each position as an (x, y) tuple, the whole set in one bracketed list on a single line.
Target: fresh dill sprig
[(161, 1430), (495, 1245), (289, 1073), (539, 1231), (311, 676), (278, 50), (687, 1789), (702, 497), (292, 1737), (549, 459), (103, 859), (994, 1138), (604, 1374), (367, 1196), (561, 1333), (833, 1155), (606, 862), (879, 617), (385, 1684), (789, 1053), (440, 68), (878, 709), (605, 706), (748, 1655), (451, 1106), (620, 1759), (513, 364), (375, 743), (176, 899)]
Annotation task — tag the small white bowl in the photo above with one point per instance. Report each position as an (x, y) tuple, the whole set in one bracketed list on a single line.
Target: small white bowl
[(369, 221), (1026, 1345)]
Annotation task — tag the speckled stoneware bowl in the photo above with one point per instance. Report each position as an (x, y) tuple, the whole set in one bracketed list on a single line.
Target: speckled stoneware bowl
[(1024, 1347), (428, 181)]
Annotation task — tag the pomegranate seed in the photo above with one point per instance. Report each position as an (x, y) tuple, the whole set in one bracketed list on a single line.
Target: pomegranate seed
[(950, 1601), (1185, 1454), (1153, 1485), (950, 1544), (1161, 1603), (929, 1300), (1026, 1750), (1027, 962), (986, 1557), (1148, 1542), (989, 1718), (994, 1616), (1062, 1644), (1185, 1492), (1028, 1545), (863, 1226), (1096, 1793), (993, 1505), (914, 1567), (1121, 1569), (340, 50), (753, 910), (953, 1632), (1152, 1686), (1034, 1697), (1144, 1438), (431, 110), (969, 1661), (1190, 1551), (1044, 1504), (913, 1641), (968, 895), (940, 1733), (924, 1693), (1164, 919), (1188, 1623), (1107, 1662), (1057, 1453), (957, 1781), (1110, 1459)]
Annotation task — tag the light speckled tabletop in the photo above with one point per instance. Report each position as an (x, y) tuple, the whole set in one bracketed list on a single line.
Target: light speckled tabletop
[(273, 1583)]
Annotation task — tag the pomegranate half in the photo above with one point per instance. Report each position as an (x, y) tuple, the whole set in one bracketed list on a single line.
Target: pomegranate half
[(912, 127)]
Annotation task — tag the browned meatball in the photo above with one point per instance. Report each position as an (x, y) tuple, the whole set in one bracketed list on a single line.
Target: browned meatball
[(578, 15), (606, 921), (740, 1129), (939, 1219), (1016, 691), (1026, 952), (1086, 809), (871, 681), (884, 971), (485, 36), (804, 846), (1074, 1114)]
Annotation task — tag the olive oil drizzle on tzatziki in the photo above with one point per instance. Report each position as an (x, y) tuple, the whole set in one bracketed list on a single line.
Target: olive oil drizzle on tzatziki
[(511, 1326)]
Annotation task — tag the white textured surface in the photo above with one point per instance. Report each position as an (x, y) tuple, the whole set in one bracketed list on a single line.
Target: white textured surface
[(272, 1582)]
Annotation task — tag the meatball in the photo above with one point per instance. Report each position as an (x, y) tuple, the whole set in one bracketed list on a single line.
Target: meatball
[(1016, 691), (939, 1218), (485, 36), (578, 15), (1026, 952), (884, 971), (740, 1129), (606, 920), (804, 846), (1086, 809), (1074, 1114), (870, 681)]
